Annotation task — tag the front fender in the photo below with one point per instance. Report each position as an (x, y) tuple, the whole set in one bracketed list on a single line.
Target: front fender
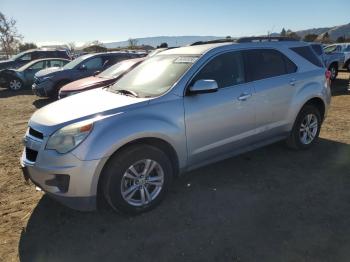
[(113, 132)]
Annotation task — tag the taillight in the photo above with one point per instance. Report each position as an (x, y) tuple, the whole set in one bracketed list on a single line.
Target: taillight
[(328, 74)]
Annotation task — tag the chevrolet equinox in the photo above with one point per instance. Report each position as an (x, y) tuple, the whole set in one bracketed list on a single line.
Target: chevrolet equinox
[(178, 110)]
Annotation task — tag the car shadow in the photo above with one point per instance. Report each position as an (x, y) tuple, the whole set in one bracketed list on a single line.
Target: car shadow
[(4, 93), (340, 87), (271, 204), (41, 102)]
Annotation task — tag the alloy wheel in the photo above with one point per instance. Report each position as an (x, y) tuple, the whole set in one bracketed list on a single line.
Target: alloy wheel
[(15, 84), (142, 182), (308, 129)]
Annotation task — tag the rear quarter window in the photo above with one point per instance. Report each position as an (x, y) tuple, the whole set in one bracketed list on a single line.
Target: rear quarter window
[(318, 49), (307, 53)]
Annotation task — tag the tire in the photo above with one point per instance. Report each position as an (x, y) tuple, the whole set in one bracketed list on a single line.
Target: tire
[(118, 177), (348, 66), (333, 68), (297, 139), (15, 84), (58, 86)]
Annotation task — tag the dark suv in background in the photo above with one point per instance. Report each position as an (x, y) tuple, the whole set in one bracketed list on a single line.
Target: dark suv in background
[(47, 82), (28, 56)]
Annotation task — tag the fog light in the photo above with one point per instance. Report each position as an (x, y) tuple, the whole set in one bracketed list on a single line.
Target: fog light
[(60, 181)]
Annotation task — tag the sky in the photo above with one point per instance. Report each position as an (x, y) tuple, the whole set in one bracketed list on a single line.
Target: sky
[(79, 21)]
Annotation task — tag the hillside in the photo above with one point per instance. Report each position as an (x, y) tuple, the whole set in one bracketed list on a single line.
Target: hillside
[(334, 32), (171, 40)]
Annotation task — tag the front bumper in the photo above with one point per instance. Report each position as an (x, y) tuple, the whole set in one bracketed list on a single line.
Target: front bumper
[(44, 88), (79, 193)]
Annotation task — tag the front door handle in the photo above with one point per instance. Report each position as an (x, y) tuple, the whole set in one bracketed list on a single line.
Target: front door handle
[(244, 96), (292, 82)]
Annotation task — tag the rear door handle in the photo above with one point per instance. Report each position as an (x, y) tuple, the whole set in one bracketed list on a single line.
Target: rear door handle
[(292, 82), (244, 96)]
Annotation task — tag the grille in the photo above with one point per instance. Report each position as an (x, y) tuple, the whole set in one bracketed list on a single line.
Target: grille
[(31, 154), (36, 80), (35, 133)]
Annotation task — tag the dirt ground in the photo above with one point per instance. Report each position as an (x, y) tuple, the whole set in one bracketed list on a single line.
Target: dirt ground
[(272, 204)]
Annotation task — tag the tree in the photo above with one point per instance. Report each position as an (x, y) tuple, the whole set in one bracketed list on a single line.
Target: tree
[(283, 32), (310, 37), (71, 46), (325, 38), (293, 35), (26, 46), (9, 37), (341, 39), (163, 45), (132, 43)]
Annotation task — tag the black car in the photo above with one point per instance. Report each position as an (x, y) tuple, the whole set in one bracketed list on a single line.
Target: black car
[(48, 82), (28, 56), (22, 77)]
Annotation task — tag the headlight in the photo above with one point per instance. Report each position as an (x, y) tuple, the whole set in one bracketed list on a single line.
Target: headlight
[(69, 137)]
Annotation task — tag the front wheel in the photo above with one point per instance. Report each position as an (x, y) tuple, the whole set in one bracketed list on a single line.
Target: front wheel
[(306, 128), (136, 179), (348, 66), (15, 84)]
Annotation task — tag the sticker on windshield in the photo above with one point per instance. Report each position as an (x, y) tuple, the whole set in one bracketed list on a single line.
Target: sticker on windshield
[(186, 59)]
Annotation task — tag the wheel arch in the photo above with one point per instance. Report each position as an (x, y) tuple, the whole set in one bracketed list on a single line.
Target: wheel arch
[(319, 104), (159, 143)]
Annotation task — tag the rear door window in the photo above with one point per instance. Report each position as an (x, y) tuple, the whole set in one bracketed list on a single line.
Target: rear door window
[(226, 69), (94, 63), (55, 63), (267, 63), (38, 66), (318, 49), (307, 53)]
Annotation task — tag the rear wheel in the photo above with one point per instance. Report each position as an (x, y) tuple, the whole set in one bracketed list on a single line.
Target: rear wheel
[(15, 84), (306, 128), (136, 179)]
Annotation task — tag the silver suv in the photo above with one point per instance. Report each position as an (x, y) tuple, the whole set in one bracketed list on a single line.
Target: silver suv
[(180, 109)]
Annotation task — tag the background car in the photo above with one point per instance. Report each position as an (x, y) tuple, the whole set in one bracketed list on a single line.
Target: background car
[(107, 77), (343, 48), (333, 61), (49, 81), (28, 56), (22, 77)]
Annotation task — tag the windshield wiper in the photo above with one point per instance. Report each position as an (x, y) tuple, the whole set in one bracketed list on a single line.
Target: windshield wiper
[(127, 92)]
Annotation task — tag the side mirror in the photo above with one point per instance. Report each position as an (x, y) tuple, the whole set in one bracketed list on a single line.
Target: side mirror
[(204, 86), (82, 67)]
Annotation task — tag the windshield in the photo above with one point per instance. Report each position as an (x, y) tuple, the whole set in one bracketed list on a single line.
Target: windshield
[(118, 69), (330, 49), (15, 57), (75, 62), (155, 75)]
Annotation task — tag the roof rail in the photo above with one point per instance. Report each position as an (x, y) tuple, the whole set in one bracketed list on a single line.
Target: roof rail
[(217, 41), (264, 39)]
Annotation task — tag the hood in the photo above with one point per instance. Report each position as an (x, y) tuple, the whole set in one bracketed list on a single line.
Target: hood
[(81, 106), (48, 71), (86, 83)]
